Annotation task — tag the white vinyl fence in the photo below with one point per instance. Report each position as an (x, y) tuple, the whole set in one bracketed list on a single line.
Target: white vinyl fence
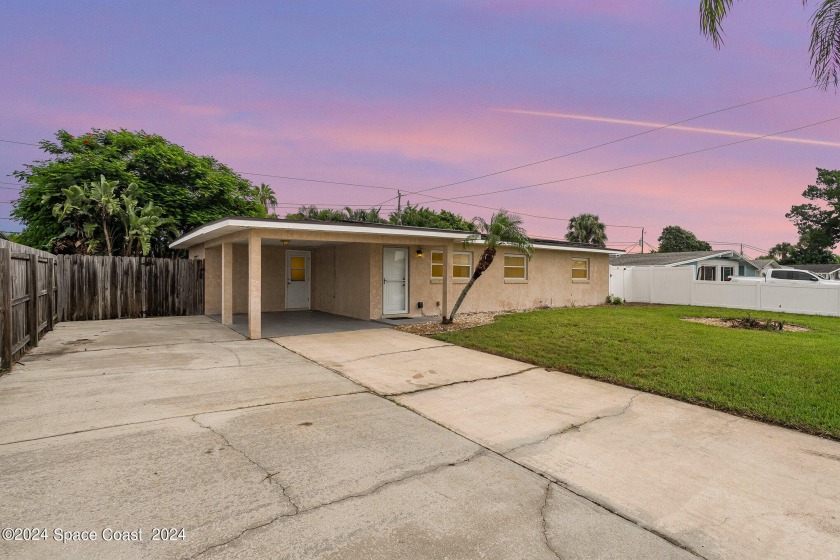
[(677, 286)]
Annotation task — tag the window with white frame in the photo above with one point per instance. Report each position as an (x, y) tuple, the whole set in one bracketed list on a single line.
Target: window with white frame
[(726, 273), (516, 267), (437, 265), (708, 273), (580, 269), (462, 265)]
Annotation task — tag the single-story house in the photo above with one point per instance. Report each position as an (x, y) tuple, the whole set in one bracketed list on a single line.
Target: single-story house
[(764, 265), (373, 271), (713, 266), (826, 271)]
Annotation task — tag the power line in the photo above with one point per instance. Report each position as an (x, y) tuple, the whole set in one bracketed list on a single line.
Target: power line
[(634, 165), (601, 145), (307, 180), (21, 143)]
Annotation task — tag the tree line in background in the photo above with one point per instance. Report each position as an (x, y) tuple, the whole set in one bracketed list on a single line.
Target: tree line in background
[(118, 192)]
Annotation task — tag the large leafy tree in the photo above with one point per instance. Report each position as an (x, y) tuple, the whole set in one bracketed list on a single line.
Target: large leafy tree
[(503, 229), (675, 239), (825, 35), (189, 190), (587, 228), (819, 220)]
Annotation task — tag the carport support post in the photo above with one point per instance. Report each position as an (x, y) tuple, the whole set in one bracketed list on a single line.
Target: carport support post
[(254, 286), (444, 285), (227, 284)]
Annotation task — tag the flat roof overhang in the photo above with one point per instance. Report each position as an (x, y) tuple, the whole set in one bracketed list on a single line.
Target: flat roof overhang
[(220, 228)]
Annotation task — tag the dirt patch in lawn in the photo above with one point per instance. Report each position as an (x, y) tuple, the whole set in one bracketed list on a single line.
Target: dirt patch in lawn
[(747, 323)]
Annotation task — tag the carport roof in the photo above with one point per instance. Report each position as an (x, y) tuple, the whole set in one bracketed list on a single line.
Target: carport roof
[(224, 226)]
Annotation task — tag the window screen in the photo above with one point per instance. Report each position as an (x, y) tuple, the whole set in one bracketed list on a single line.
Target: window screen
[(515, 267), (461, 265), (437, 265), (580, 269)]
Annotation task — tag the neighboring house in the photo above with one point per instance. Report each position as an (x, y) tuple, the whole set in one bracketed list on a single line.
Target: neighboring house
[(713, 266), (827, 271), (373, 271), (764, 265)]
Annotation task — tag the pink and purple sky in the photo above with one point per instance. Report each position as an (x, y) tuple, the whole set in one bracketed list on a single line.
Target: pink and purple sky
[(413, 95)]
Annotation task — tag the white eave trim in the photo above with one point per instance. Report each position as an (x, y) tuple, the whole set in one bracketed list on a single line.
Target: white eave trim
[(329, 227), (552, 247), (205, 233)]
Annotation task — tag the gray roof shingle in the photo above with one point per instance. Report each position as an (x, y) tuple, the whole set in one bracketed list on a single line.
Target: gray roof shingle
[(818, 268), (667, 259)]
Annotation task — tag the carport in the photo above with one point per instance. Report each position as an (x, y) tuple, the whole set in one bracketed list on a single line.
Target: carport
[(273, 274)]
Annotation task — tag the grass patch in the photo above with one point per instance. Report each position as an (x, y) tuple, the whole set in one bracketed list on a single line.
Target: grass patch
[(787, 378)]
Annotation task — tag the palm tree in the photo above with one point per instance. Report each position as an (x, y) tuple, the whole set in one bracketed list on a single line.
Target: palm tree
[(267, 197), (587, 228), (503, 229), (371, 216), (825, 35)]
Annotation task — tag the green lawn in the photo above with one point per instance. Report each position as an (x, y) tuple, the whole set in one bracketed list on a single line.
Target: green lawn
[(788, 378)]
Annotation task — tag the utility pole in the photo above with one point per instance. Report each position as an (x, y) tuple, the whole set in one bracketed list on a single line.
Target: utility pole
[(399, 207), (742, 249), (642, 242)]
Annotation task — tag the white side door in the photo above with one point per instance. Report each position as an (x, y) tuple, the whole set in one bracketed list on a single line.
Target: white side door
[(394, 281), (298, 280)]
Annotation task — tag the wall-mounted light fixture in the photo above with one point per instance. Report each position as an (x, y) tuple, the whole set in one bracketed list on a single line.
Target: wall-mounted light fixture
[(420, 253), (284, 242)]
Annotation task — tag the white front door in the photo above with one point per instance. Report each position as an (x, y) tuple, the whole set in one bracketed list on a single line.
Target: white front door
[(298, 281), (394, 281)]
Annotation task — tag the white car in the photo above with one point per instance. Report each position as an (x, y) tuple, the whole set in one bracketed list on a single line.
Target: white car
[(786, 276)]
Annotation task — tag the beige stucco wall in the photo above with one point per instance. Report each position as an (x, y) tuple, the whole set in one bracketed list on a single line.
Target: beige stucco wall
[(347, 280), (341, 279), (273, 279), (549, 283)]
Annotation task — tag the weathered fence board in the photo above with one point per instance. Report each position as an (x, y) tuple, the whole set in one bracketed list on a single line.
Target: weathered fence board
[(129, 287), (28, 294), (38, 289)]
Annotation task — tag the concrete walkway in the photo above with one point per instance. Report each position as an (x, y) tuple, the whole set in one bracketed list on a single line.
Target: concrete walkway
[(716, 485), (121, 427)]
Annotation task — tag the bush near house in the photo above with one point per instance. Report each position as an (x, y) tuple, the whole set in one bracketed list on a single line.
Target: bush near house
[(787, 378)]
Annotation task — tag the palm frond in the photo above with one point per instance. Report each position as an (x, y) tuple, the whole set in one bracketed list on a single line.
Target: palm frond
[(712, 13), (825, 43)]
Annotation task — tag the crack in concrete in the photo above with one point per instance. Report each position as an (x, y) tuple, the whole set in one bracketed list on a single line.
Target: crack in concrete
[(565, 485), (179, 416), (575, 426), (64, 352), (400, 352), (667, 538), (235, 354), (431, 470), (250, 460), (424, 389), (545, 522)]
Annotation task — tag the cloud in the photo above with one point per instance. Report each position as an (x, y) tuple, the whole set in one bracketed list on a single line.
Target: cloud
[(682, 128)]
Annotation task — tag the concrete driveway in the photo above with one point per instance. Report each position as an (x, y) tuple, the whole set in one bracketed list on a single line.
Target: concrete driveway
[(113, 429), (716, 485)]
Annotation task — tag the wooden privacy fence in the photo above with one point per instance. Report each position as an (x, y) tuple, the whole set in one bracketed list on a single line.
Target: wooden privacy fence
[(38, 289), (28, 297), (127, 287)]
